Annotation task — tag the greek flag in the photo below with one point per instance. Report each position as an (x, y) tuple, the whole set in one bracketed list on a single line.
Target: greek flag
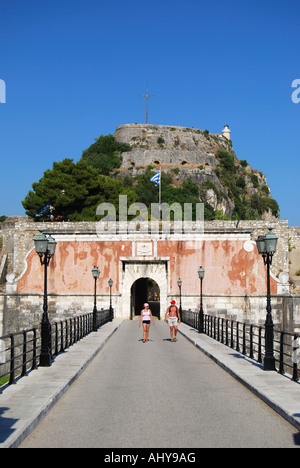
[(156, 178)]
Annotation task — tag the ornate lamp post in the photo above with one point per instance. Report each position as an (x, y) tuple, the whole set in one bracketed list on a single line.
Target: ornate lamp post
[(110, 283), (201, 273), (45, 248), (267, 246), (179, 282), (96, 274)]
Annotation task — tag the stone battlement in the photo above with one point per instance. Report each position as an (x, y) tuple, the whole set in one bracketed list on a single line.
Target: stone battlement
[(169, 145)]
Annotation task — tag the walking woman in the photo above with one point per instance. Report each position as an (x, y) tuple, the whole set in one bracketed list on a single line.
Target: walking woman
[(146, 317)]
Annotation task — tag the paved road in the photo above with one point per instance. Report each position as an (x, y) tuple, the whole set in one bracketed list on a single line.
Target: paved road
[(158, 395)]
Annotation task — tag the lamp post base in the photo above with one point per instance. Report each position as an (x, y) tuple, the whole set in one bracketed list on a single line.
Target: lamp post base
[(269, 363), (95, 327), (45, 357), (45, 360), (201, 322)]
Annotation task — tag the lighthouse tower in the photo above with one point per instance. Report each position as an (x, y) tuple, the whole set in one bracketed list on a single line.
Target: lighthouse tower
[(226, 132)]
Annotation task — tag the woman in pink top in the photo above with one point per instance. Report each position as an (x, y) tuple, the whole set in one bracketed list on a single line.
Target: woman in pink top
[(146, 317)]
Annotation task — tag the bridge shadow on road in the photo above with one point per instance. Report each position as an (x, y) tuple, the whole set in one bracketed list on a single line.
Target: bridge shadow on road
[(6, 425), (297, 436)]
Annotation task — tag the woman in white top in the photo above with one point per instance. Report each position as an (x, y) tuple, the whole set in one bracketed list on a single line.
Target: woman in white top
[(146, 317)]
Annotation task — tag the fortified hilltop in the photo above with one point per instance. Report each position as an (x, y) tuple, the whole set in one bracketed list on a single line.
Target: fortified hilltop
[(205, 158)]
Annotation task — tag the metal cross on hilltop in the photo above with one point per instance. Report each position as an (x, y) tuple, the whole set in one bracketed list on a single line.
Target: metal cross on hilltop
[(147, 99)]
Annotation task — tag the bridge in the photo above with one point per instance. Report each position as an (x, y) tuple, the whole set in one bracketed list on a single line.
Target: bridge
[(110, 390)]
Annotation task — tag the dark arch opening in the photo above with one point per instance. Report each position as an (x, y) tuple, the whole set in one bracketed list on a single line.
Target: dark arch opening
[(145, 290)]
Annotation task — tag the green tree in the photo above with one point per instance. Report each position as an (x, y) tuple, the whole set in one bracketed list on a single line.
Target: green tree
[(226, 160), (72, 191), (105, 154)]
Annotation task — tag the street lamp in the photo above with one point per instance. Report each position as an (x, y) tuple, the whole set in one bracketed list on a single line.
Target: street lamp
[(110, 283), (96, 274), (266, 246), (179, 282), (201, 272), (45, 248)]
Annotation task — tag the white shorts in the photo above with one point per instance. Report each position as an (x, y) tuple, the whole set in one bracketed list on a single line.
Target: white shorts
[(172, 321)]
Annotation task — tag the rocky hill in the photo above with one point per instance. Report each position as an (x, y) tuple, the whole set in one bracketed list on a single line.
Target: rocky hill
[(232, 187)]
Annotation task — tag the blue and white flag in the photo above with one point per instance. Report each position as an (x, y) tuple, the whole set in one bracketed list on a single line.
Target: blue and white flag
[(156, 178)]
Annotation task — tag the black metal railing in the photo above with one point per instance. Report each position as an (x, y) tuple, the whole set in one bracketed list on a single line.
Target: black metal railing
[(249, 339), (20, 352)]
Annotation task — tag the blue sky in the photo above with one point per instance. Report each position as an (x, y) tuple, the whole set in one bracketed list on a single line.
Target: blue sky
[(74, 69)]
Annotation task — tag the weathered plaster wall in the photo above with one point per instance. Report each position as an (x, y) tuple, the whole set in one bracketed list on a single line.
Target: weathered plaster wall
[(70, 269), (229, 268)]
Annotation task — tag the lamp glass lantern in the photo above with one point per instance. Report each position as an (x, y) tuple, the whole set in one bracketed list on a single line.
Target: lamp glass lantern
[(179, 282), (41, 243), (51, 246), (201, 272), (261, 244), (95, 273), (110, 283), (271, 242)]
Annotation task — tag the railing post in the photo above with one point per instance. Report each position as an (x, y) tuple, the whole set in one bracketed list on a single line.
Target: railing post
[(281, 354), (244, 338), (56, 338), (71, 332), (259, 358), (251, 342), (61, 337), (237, 337), (231, 336), (24, 364), (12, 360), (295, 363), (34, 351), (75, 329), (67, 334), (222, 331), (226, 328)]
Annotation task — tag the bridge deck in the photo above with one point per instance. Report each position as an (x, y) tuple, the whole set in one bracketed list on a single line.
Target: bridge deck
[(164, 394)]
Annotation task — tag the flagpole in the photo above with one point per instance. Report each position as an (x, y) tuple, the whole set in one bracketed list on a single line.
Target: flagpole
[(160, 192)]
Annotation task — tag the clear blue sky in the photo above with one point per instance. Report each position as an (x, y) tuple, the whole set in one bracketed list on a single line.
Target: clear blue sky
[(74, 69)]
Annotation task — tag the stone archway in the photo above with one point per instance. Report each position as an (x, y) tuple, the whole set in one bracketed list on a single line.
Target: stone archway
[(145, 290), (132, 270)]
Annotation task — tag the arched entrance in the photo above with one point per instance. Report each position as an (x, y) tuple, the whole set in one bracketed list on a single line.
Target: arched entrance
[(145, 290), (133, 269)]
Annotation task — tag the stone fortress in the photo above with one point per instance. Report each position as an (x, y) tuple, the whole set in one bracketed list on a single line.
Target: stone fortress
[(235, 279), (187, 153)]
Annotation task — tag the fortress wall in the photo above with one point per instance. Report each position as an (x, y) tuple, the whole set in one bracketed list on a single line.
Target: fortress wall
[(19, 311), (169, 145)]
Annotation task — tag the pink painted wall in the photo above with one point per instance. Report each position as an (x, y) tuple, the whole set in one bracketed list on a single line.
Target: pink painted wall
[(70, 269), (229, 269)]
